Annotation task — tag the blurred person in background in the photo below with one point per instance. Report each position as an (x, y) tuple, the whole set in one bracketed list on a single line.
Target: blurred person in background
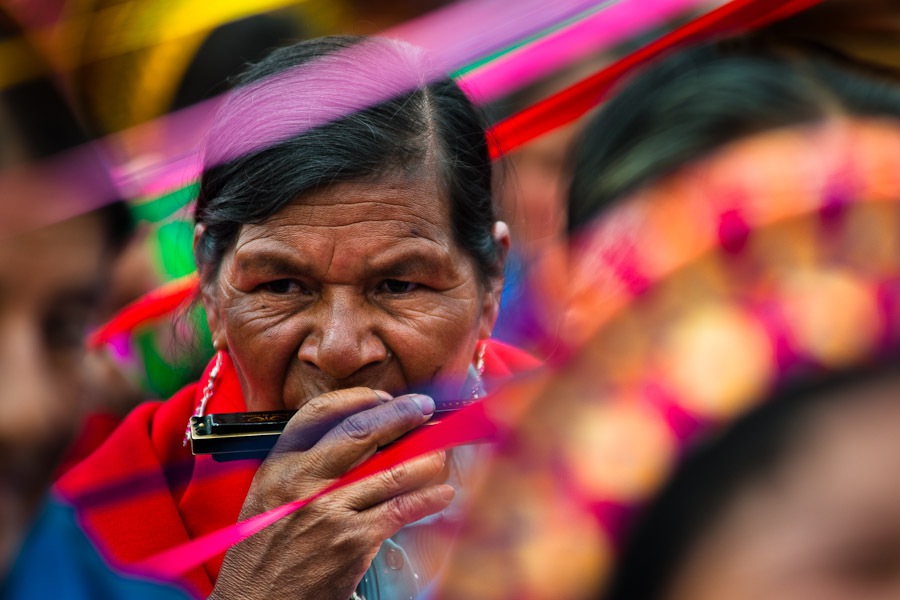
[(698, 101), (735, 222), (793, 500), (52, 283)]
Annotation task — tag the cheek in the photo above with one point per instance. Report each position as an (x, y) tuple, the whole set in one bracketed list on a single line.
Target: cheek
[(438, 337), (262, 344)]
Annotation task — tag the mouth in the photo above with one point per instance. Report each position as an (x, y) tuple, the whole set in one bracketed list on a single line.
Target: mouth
[(312, 382)]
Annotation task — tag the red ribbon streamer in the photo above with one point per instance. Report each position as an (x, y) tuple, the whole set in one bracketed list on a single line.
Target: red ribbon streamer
[(571, 103), (155, 304)]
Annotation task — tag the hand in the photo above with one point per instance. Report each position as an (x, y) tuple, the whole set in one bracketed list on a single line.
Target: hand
[(323, 550)]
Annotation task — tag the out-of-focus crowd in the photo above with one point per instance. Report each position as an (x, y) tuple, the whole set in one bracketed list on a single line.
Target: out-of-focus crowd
[(677, 315)]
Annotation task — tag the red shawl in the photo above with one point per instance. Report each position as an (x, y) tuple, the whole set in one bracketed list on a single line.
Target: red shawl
[(142, 491)]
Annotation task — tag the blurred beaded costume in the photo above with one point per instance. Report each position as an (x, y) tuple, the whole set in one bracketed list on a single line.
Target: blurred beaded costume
[(690, 301)]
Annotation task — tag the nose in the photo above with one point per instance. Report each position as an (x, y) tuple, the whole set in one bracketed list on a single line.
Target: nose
[(30, 398), (342, 338)]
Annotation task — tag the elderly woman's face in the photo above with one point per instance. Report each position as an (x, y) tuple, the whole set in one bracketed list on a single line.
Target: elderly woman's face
[(361, 284)]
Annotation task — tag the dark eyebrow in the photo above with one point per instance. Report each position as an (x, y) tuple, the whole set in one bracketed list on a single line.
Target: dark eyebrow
[(277, 264), (407, 266), (272, 263)]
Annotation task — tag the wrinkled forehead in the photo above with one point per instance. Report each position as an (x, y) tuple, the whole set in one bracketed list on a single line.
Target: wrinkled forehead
[(402, 202)]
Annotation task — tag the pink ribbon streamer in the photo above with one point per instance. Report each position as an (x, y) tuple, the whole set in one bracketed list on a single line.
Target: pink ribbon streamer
[(454, 36), (594, 34), (487, 26), (591, 35)]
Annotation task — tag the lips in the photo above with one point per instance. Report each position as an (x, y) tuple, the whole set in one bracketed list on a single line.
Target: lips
[(312, 383)]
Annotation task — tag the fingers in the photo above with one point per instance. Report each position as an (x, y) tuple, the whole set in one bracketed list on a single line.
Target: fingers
[(389, 517), (401, 478), (358, 436), (322, 413)]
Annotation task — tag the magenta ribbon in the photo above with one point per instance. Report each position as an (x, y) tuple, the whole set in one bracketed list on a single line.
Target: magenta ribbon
[(596, 33)]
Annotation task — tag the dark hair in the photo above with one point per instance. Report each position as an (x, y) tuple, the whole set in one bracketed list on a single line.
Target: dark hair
[(428, 121), (714, 472), (695, 101), (37, 122)]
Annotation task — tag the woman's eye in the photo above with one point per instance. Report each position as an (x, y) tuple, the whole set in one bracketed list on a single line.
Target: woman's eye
[(282, 286), (397, 286)]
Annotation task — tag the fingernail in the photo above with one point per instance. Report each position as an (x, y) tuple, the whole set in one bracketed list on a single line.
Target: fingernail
[(383, 395), (425, 403), (447, 493)]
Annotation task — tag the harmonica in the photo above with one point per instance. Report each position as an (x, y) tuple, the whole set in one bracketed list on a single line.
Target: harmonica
[(233, 436)]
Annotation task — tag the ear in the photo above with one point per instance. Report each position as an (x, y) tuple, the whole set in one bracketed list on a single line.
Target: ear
[(491, 304), (208, 298)]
